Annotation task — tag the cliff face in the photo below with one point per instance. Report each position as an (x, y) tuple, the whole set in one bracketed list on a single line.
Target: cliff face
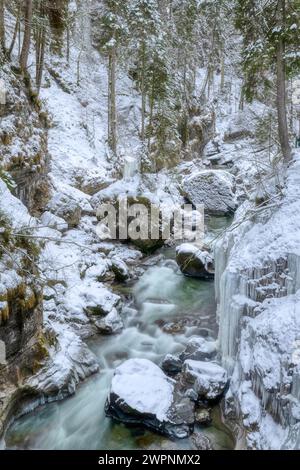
[(24, 156), (257, 285), (23, 137), (20, 301)]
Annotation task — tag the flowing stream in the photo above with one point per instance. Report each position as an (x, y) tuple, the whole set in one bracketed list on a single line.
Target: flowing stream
[(164, 310)]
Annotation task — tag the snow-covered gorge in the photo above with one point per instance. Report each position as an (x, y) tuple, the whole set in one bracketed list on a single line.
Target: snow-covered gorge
[(257, 283)]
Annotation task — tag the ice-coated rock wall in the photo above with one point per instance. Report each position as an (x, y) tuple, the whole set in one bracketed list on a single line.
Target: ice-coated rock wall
[(257, 289)]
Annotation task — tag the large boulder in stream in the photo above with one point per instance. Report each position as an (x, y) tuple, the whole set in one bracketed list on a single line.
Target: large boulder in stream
[(215, 189), (207, 379), (142, 394), (197, 349), (137, 228), (195, 262)]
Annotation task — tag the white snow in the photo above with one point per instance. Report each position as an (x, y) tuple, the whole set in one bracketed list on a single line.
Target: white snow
[(143, 387), (209, 378)]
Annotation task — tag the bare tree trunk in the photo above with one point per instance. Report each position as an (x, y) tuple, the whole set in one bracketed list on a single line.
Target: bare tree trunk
[(16, 30), (281, 92), (68, 43), (109, 99), (222, 85), (242, 100), (40, 46), (112, 107), (27, 35), (143, 90), (19, 40), (2, 27), (151, 116)]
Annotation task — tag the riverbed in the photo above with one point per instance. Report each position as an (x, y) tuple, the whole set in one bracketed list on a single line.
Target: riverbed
[(163, 310)]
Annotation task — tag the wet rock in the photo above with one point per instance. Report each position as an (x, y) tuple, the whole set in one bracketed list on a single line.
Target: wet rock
[(202, 416), (147, 245), (199, 349), (171, 364), (237, 134), (143, 241), (110, 324), (212, 188), (119, 269), (181, 325), (200, 442), (200, 129), (101, 302), (208, 379), (142, 394), (92, 182), (195, 262)]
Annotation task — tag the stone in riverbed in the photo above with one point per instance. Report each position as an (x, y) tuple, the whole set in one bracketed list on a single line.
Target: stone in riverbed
[(171, 364), (142, 394), (195, 262), (203, 417), (209, 380), (199, 349), (212, 188), (200, 442), (143, 241), (110, 324), (119, 269)]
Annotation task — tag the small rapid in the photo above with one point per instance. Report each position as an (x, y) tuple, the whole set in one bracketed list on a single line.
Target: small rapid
[(164, 310)]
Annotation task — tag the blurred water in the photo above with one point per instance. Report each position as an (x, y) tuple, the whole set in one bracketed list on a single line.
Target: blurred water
[(162, 299)]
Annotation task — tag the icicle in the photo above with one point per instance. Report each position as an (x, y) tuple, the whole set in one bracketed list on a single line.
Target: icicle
[(131, 167)]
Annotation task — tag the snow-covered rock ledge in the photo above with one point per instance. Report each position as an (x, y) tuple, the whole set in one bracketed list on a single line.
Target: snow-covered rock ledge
[(257, 288)]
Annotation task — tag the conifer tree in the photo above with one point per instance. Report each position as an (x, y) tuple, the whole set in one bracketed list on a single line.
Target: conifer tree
[(271, 48), (144, 26), (114, 32)]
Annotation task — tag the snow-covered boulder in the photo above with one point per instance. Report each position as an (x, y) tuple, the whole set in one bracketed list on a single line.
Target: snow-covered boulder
[(54, 222), (142, 394), (195, 262), (69, 363), (171, 364), (212, 188), (119, 269), (66, 208), (110, 324), (208, 379), (199, 349), (93, 180)]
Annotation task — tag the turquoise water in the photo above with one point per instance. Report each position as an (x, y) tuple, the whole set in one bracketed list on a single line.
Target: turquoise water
[(166, 310)]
